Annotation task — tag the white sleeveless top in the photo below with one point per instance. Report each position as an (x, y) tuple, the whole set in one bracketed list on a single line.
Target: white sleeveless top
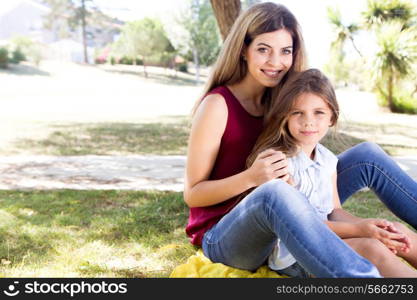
[(313, 178)]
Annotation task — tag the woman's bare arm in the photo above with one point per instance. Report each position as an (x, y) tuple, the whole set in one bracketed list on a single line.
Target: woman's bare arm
[(206, 133), (207, 130)]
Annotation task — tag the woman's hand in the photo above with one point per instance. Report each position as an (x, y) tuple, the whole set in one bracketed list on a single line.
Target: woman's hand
[(386, 232), (269, 164)]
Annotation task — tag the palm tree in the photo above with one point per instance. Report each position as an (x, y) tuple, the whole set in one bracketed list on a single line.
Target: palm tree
[(342, 32), (397, 51), (381, 11), (336, 66)]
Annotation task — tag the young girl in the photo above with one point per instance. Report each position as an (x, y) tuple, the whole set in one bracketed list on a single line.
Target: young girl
[(302, 115), (262, 51)]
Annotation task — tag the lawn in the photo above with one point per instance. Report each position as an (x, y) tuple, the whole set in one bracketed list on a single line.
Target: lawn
[(69, 233), (166, 136), (138, 234), (72, 233)]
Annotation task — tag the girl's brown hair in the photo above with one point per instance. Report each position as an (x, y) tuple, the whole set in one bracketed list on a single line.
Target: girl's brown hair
[(260, 18), (276, 133)]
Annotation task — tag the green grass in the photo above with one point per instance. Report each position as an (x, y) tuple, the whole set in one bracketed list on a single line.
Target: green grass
[(395, 139), (169, 137), (68, 233), (92, 233), (367, 205), (163, 137)]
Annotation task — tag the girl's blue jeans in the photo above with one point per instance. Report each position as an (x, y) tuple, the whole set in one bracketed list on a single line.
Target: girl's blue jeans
[(245, 236)]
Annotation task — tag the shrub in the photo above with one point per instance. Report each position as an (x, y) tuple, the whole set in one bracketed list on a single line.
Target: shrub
[(17, 56), (4, 58), (27, 49), (139, 61), (183, 67), (126, 61), (99, 60), (403, 100), (405, 104)]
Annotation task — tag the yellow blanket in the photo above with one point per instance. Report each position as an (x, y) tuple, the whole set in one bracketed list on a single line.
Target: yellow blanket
[(199, 266)]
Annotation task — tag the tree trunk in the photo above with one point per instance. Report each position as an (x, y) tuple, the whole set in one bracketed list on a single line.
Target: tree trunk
[(196, 65), (354, 46), (144, 67), (390, 93), (226, 12), (83, 25)]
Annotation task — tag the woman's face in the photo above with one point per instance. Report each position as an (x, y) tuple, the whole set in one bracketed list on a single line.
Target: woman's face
[(269, 56)]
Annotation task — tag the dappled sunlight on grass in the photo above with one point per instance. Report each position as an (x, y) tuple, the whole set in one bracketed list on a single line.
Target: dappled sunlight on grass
[(72, 116), (92, 233), (72, 233), (396, 139), (107, 233), (169, 136), (164, 138)]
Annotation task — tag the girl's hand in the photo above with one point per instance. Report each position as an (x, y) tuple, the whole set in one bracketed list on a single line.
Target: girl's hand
[(269, 164), (384, 231), (396, 228)]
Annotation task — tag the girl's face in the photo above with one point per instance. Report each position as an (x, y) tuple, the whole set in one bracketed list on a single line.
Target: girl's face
[(269, 56), (309, 120)]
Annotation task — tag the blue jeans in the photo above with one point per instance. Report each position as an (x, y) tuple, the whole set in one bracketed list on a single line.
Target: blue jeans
[(367, 165), (245, 237)]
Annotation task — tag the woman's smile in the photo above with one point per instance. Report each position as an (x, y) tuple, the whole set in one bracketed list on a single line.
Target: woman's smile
[(271, 73)]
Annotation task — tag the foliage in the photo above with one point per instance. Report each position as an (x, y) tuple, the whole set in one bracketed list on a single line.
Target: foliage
[(397, 49), (342, 32), (403, 101), (203, 35), (59, 18), (396, 32), (4, 58), (396, 53), (248, 3), (183, 67), (336, 68), (381, 11), (17, 56), (66, 16), (394, 24), (144, 38), (31, 50)]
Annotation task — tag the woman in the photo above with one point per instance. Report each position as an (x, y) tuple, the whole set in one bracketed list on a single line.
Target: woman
[(262, 50)]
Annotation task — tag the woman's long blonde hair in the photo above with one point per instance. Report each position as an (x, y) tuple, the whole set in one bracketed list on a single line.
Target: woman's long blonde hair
[(276, 133), (260, 18)]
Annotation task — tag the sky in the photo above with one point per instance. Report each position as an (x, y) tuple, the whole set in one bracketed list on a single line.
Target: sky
[(311, 14)]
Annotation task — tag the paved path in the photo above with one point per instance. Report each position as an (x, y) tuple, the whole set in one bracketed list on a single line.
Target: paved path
[(93, 172)]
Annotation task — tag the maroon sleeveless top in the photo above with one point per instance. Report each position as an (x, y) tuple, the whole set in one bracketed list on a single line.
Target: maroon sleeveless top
[(239, 137)]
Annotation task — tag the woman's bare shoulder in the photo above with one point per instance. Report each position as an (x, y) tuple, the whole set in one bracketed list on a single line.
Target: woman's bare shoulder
[(212, 104)]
